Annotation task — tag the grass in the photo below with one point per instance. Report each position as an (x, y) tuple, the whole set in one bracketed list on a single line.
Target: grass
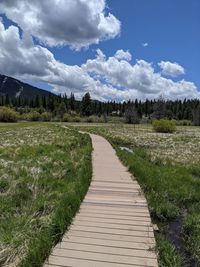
[(182, 147), (45, 171), (171, 184)]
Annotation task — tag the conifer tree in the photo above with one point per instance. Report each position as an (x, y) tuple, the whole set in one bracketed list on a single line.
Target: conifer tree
[(86, 105)]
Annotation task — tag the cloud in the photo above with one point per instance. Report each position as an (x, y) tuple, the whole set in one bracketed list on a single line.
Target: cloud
[(35, 62), (24, 60), (77, 23), (121, 54), (104, 77), (171, 69), (140, 77), (145, 44)]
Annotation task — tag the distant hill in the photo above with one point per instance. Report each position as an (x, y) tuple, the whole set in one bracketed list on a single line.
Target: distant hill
[(15, 88)]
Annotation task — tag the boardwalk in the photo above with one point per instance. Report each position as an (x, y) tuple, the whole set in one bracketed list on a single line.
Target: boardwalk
[(113, 227)]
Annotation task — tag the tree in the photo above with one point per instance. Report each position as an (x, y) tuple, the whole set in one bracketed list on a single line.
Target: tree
[(196, 116), (86, 105), (131, 115), (61, 109), (72, 102), (159, 109)]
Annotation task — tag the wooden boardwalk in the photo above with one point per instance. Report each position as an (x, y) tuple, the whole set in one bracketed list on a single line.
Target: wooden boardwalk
[(113, 226)]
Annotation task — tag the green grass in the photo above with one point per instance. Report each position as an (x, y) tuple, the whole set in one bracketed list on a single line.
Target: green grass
[(172, 190), (45, 171)]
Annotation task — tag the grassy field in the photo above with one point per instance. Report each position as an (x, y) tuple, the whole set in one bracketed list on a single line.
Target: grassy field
[(167, 168), (45, 171)]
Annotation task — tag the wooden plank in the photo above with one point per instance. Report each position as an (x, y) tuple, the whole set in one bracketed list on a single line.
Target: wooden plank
[(103, 257), (81, 218), (110, 236), (115, 203), (134, 188), (106, 242), (115, 185), (69, 262), (99, 224), (107, 249), (116, 217), (118, 209), (114, 210), (111, 231), (118, 198), (111, 192)]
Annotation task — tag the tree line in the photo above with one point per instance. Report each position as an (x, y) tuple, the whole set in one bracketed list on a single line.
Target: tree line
[(132, 110)]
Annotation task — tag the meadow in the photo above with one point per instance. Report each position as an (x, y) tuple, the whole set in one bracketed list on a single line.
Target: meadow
[(167, 168), (45, 171)]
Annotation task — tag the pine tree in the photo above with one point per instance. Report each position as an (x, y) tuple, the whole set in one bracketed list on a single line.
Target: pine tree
[(72, 102), (196, 116), (86, 106), (159, 109), (61, 110)]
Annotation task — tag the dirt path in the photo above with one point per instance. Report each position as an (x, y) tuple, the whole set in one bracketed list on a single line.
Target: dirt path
[(113, 227)]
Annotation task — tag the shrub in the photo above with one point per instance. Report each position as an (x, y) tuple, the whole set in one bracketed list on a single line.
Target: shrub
[(164, 126), (71, 118), (8, 115), (33, 116), (145, 120), (91, 119), (183, 123), (46, 116), (76, 119), (95, 119), (66, 117)]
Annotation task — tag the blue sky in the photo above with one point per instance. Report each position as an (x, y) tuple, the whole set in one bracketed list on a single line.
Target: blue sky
[(170, 30)]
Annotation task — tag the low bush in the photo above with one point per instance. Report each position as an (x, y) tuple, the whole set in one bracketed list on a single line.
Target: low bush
[(46, 116), (71, 118), (145, 120), (66, 117), (164, 126), (90, 119), (33, 116), (97, 119), (75, 119), (184, 123), (8, 115)]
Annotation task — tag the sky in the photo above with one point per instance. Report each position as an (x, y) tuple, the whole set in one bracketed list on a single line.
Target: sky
[(114, 49)]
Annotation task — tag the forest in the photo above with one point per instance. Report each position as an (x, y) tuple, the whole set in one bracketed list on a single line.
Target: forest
[(134, 111)]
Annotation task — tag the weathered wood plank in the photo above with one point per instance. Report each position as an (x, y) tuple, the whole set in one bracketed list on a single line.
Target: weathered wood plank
[(107, 242), (107, 250)]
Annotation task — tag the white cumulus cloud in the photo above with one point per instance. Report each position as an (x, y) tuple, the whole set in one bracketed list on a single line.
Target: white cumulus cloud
[(121, 54), (77, 23), (106, 78), (140, 77), (171, 69)]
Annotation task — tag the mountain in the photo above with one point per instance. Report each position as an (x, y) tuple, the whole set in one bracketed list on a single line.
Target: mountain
[(15, 88)]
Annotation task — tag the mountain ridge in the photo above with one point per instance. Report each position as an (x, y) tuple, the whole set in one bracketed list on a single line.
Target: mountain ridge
[(15, 88)]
